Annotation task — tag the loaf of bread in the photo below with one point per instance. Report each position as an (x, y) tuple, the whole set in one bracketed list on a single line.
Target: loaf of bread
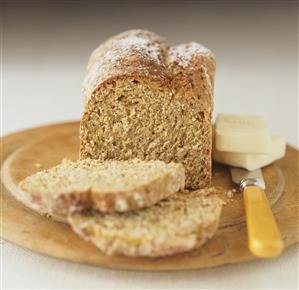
[(178, 224), (111, 186), (148, 101)]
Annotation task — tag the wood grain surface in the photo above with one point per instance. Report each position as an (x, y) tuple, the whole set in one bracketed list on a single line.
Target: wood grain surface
[(26, 152)]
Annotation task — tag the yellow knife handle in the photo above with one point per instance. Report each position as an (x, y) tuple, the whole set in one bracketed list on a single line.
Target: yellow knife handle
[(263, 235)]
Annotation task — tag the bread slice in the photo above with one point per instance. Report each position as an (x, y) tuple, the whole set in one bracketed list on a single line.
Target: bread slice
[(111, 186), (178, 224), (148, 101)]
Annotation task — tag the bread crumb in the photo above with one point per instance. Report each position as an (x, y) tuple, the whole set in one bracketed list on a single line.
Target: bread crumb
[(230, 193), (65, 160)]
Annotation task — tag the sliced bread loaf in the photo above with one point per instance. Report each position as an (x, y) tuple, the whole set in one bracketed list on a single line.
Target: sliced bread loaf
[(106, 186), (178, 224), (148, 101)]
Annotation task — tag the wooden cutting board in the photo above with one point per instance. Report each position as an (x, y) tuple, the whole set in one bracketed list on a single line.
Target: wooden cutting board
[(26, 152)]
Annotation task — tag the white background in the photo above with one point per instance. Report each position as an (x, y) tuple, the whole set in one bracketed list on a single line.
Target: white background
[(45, 47)]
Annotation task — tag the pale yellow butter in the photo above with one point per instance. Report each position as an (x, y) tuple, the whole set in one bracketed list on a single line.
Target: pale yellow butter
[(252, 161), (242, 133)]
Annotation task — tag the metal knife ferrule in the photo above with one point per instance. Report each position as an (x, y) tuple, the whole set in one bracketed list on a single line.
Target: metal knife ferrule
[(251, 182)]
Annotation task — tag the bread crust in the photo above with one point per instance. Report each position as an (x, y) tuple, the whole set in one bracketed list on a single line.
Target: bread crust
[(112, 60), (165, 67), (185, 72)]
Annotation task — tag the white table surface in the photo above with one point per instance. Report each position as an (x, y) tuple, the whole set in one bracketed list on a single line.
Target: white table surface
[(45, 49)]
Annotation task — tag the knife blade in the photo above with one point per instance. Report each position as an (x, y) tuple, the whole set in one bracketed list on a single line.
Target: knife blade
[(264, 238)]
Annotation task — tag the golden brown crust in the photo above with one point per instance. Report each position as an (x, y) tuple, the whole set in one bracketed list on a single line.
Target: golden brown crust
[(153, 59), (193, 77), (124, 55)]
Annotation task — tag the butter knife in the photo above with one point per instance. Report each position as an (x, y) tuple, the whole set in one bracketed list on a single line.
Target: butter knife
[(264, 238)]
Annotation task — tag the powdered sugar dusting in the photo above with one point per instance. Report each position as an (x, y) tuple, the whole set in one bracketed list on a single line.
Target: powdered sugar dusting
[(133, 40), (107, 58), (133, 44), (143, 53), (183, 53)]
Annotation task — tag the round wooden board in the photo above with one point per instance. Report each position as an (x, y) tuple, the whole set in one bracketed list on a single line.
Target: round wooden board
[(28, 151)]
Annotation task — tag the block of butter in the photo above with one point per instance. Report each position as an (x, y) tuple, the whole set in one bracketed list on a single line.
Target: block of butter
[(252, 161), (242, 133)]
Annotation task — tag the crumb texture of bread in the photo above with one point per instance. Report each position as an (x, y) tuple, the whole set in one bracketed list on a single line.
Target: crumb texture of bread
[(178, 224), (110, 186), (146, 100)]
